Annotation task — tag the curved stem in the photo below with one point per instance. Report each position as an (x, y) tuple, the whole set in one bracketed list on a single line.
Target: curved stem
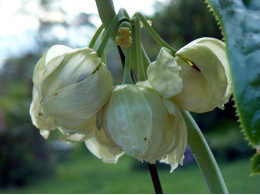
[(204, 157), (103, 58), (109, 31), (95, 37), (127, 72), (155, 178), (154, 35), (146, 60), (138, 45)]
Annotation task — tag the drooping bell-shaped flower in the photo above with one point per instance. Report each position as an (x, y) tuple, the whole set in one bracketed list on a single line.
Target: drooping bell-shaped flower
[(137, 119), (205, 75), (70, 87)]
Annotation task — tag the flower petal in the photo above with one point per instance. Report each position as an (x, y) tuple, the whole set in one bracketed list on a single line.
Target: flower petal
[(76, 66), (209, 64), (176, 156), (128, 120), (176, 146), (219, 49), (195, 95), (160, 124), (76, 104), (46, 123), (40, 69), (45, 133), (163, 74), (101, 151)]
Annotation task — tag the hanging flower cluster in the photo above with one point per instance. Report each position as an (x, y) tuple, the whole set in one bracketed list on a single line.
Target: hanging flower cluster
[(73, 92)]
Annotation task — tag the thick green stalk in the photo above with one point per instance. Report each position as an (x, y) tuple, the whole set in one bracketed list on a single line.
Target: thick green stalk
[(106, 13), (204, 157)]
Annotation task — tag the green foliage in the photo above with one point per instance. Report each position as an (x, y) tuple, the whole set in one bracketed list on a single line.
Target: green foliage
[(180, 22), (256, 164), (239, 21), (24, 155), (84, 173)]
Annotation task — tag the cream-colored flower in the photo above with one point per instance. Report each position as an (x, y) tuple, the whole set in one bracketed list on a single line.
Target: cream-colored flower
[(205, 76), (145, 125), (70, 87)]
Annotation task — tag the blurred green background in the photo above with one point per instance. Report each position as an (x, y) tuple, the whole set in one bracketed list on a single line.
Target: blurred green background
[(30, 164)]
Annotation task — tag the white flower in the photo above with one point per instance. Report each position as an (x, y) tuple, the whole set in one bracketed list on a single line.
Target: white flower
[(145, 125), (205, 76), (70, 87)]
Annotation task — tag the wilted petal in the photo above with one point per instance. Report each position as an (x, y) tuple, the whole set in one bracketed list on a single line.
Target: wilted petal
[(163, 74)]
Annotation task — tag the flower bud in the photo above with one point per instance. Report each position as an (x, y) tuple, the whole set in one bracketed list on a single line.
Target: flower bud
[(206, 76), (136, 118), (70, 86)]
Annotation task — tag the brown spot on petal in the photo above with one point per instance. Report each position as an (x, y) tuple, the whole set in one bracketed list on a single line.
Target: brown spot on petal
[(39, 113), (145, 139)]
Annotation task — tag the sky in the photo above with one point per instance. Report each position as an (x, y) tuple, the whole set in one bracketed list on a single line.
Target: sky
[(19, 20)]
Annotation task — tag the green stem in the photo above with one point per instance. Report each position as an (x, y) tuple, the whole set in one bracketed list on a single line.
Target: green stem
[(154, 35), (103, 58), (109, 31), (133, 65), (106, 11), (146, 60), (138, 44), (95, 37), (127, 72), (123, 15), (204, 157)]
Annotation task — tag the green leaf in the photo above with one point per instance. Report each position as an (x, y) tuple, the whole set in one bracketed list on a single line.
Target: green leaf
[(256, 164), (239, 20)]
